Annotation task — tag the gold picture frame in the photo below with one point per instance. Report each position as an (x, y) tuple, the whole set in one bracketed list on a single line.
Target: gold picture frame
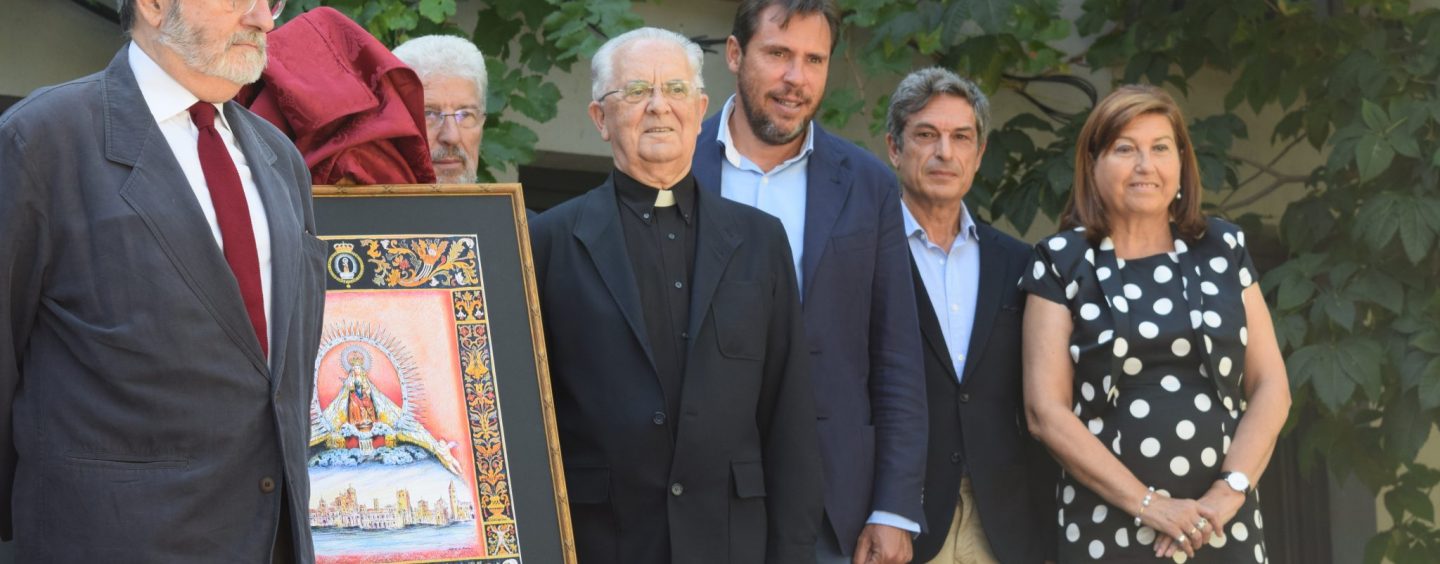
[(431, 383)]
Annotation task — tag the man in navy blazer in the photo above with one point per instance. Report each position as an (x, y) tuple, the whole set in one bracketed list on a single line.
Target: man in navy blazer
[(676, 348), (152, 408), (988, 485), (841, 210)]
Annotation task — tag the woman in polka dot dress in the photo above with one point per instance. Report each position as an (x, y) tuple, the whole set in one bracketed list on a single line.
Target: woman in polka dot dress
[(1151, 367)]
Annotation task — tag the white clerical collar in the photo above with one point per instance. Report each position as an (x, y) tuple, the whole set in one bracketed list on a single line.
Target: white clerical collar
[(664, 198)]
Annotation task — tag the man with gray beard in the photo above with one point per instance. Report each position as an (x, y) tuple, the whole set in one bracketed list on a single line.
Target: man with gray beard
[(453, 73), (161, 290)]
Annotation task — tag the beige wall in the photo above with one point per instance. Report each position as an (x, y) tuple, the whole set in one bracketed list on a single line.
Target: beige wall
[(45, 42), (572, 132)]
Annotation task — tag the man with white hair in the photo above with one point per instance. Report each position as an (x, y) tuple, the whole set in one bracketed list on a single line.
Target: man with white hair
[(676, 351), (452, 71), (160, 299)]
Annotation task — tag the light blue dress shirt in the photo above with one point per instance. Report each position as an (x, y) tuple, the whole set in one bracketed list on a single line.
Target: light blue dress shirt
[(952, 278), (779, 192)]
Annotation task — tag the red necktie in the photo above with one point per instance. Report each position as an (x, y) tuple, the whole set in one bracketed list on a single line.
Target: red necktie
[(233, 215)]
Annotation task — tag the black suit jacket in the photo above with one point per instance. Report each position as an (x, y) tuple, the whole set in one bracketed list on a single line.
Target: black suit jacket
[(738, 479), (979, 421)]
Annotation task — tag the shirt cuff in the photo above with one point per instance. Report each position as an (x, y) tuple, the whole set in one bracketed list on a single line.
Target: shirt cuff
[(892, 520)]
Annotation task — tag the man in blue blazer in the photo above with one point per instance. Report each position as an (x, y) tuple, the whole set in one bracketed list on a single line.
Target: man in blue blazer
[(841, 210), (989, 486), (677, 354)]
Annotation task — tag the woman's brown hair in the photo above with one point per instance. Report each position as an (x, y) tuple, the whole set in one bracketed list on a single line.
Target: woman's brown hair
[(1085, 207)]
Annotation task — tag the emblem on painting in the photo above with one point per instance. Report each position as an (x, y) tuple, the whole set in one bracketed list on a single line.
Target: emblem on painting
[(344, 265)]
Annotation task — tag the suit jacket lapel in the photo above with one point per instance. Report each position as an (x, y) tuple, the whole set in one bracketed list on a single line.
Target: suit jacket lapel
[(930, 323), (598, 229), (987, 299), (285, 243), (827, 186), (159, 193), (715, 244)]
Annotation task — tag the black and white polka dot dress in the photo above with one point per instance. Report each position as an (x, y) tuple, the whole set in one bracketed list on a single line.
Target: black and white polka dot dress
[(1159, 352)]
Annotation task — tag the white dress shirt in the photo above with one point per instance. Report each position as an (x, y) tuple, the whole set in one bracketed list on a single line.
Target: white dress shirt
[(952, 279), (170, 103)]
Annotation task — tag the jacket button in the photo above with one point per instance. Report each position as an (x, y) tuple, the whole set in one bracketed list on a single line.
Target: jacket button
[(659, 418), (676, 489), (964, 398), (955, 457), (267, 485)]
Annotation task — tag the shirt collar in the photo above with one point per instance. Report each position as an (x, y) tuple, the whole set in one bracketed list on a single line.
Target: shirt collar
[(733, 155), (165, 97), (640, 199), (969, 233)]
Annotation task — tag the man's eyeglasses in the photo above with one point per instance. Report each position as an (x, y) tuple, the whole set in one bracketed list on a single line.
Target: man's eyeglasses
[(276, 7), (637, 91), (466, 119)]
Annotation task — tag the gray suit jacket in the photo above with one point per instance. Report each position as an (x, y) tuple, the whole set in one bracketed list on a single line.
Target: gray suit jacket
[(141, 422)]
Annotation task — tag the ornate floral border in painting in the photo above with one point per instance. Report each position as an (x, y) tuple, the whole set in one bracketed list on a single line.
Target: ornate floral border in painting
[(432, 426)]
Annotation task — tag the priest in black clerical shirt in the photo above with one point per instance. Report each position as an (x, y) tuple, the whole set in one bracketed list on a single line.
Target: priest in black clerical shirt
[(659, 230), (677, 355)]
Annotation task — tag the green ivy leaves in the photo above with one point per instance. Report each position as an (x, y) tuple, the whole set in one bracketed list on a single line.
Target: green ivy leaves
[(1337, 369), (436, 11), (1414, 219)]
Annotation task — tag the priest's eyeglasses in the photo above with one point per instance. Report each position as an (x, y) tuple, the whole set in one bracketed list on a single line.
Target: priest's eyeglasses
[(637, 91)]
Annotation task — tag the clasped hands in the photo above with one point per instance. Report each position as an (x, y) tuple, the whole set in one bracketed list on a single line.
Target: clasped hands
[(882, 544), (1188, 524)]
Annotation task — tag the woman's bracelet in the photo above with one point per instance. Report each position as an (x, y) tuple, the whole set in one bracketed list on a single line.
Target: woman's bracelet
[(1144, 503)]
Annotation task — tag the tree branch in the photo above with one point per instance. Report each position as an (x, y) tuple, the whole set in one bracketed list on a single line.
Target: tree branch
[(1269, 167), (855, 74), (1280, 180)]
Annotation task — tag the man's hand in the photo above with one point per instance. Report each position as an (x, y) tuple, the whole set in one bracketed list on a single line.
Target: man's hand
[(882, 544)]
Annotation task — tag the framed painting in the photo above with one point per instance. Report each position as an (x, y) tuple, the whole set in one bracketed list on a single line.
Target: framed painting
[(433, 433)]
